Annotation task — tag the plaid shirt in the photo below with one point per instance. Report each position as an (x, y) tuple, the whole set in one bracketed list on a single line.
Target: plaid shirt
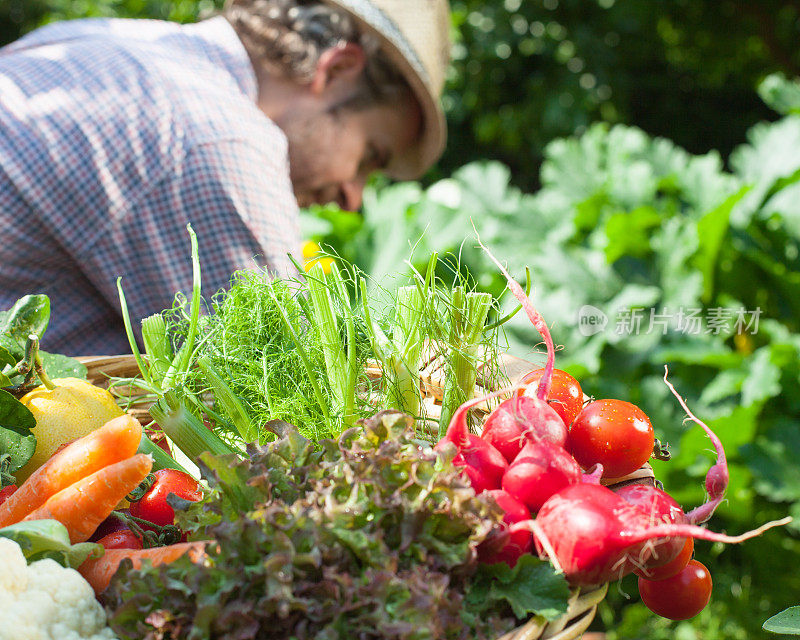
[(114, 134)]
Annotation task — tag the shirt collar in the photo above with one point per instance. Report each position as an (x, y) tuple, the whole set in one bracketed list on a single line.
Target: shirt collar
[(224, 46)]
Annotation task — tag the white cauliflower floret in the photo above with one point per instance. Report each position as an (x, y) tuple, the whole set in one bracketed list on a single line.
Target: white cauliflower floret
[(45, 601)]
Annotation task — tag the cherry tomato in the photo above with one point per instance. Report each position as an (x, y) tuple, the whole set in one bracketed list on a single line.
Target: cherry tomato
[(122, 539), (672, 567), (153, 506), (7, 491), (614, 433), (680, 597), (566, 395)]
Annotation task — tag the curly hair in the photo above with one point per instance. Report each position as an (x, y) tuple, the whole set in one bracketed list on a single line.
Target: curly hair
[(287, 37)]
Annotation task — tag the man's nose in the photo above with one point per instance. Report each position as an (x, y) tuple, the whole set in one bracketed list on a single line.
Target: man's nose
[(353, 193)]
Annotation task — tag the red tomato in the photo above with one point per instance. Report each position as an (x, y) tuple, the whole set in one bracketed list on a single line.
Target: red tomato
[(153, 506), (614, 433), (7, 491), (680, 597), (672, 567), (122, 539), (566, 395)]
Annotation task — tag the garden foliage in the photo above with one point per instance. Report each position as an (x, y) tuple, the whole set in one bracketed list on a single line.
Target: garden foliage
[(692, 266)]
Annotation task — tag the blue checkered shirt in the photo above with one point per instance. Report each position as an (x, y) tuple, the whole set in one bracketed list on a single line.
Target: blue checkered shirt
[(114, 135)]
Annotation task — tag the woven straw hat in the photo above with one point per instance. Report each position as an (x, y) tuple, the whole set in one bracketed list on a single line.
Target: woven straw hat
[(415, 37)]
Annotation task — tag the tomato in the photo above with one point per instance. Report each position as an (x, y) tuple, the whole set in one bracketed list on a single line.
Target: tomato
[(680, 597), (566, 395), (670, 568), (153, 506), (122, 539), (614, 433), (7, 491)]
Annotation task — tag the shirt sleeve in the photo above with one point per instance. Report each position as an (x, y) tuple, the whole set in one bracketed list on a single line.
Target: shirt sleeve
[(240, 204)]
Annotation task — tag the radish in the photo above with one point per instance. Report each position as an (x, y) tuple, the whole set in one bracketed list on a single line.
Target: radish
[(661, 508), (513, 542), (507, 426), (529, 414), (545, 469), (483, 464), (717, 476), (595, 536)]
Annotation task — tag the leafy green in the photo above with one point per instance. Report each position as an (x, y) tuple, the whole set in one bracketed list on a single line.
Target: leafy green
[(30, 314), (17, 440), (368, 536), (40, 539), (531, 587), (787, 622)]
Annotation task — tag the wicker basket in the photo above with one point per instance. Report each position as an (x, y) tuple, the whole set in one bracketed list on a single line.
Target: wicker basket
[(582, 603)]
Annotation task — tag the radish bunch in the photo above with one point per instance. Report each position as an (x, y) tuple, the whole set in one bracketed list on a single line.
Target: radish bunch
[(541, 456)]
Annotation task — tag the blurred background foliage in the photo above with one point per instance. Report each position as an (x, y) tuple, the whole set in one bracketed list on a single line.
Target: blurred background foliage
[(643, 158)]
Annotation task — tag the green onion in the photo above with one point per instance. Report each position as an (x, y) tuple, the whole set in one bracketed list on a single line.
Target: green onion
[(339, 365), (185, 429), (161, 459), (468, 317), (157, 347), (231, 403)]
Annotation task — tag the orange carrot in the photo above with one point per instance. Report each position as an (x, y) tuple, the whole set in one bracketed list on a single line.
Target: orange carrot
[(82, 506), (116, 440), (98, 572)]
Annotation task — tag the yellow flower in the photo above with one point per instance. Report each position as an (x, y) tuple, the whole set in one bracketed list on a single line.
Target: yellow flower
[(312, 253)]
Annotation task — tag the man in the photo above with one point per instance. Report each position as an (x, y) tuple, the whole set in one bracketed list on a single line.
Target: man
[(115, 134)]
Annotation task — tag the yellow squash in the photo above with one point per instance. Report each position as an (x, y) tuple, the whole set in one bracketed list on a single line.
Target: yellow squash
[(71, 410)]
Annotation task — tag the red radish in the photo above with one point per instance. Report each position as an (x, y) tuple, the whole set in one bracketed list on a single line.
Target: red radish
[(507, 426), (717, 476), (483, 464), (660, 508), (595, 536), (566, 395), (515, 542), (545, 470)]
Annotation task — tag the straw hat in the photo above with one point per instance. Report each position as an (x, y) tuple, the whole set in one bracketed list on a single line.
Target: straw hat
[(415, 37)]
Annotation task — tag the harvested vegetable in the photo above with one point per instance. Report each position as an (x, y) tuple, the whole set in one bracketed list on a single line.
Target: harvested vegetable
[(82, 506), (370, 536), (116, 440), (99, 571), (72, 409)]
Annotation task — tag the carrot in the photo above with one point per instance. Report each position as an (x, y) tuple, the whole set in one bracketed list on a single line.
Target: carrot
[(99, 571), (116, 440), (82, 506)]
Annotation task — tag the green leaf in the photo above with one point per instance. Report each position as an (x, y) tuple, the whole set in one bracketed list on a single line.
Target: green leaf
[(30, 314), (787, 622), (532, 587), (711, 231), (629, 232), (60, 366), (6, 358), (16, 439), (772, 459), (40, 539), (780, 93), (763, 379)]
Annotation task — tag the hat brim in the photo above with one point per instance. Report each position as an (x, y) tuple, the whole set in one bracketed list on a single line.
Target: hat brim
[(430, 144)]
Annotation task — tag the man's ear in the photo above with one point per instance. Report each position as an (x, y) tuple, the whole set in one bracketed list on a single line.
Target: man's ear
[(344, 62)]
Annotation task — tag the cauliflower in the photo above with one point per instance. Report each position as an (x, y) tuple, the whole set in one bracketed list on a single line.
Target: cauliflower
[(45, 601)]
